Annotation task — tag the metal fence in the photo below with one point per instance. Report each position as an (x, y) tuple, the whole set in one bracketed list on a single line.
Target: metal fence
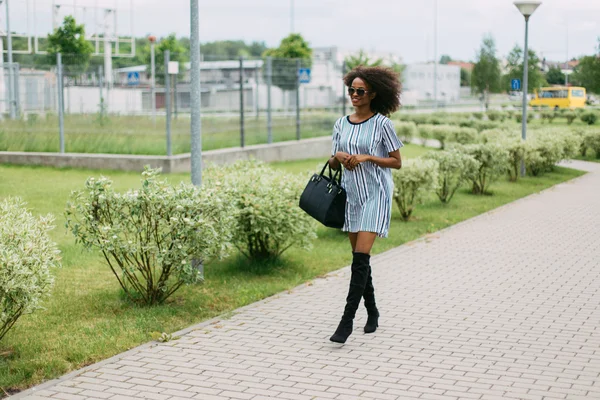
[(63, 103)]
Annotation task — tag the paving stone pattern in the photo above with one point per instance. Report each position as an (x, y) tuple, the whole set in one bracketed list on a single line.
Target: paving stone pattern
[(503, 306)]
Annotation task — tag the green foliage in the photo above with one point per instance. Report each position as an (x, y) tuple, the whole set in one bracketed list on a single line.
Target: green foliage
[(515, 66), (548, 116), (545, 148), (589, 117), (291, 49), (353, 61), (511, 141), (493, 163), (445, 59), (454, 168), (69, 40), (231, 49), (570, 116), (26, 257), (406, 131), (554, 76), (150, 236), (412, 182), (519, 117), (478, 115), (267, 219), (485, 77), (494, 115), (587, 72), (448, 133), (591, 140)]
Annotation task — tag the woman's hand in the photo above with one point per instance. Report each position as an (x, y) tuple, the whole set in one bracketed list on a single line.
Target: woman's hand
[(342, 157), (354, 160)]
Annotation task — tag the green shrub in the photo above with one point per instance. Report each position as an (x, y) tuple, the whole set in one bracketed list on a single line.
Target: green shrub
[(484, 125), (454, 168), (26, 257), (267, 219), (548, 116), (478, 115), (494, 115), (463, 135), (570, 116), (493, 163), (412, 182), (406, 131), (589, 117), (543, 151), (150, 236), (519, 117), (591, 140)]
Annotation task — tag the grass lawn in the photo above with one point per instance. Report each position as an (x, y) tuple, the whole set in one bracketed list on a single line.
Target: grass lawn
[(87, 319), (140, 135)]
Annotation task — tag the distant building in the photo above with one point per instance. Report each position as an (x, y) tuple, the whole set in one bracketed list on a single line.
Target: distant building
[(418, 83), (463, 65)]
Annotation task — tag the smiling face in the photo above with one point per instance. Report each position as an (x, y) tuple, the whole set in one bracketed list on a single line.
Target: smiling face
[(359, 86)]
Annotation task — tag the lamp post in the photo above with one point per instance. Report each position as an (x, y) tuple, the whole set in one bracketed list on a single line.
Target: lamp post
[(526, 7)]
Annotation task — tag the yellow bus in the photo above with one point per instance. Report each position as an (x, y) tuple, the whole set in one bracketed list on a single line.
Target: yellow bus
[(559, 97)]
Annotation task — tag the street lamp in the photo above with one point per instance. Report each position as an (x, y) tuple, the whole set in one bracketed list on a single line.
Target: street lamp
[(526, 7)]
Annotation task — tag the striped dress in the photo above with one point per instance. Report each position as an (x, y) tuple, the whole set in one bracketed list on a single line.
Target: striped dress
[(369, 187)]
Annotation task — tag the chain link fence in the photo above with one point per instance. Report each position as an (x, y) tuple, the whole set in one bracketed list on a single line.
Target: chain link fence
[(65, 103)]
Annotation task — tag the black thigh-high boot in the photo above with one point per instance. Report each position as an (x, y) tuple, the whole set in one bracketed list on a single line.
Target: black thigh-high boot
[(373, 313), (358, 281)]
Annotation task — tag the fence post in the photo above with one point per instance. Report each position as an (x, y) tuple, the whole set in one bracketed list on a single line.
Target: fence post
[(175, 94), (61, 103), (100, 84), (298, 99), (17, 77), (269, 114), (168, 102), (343, 89), (242, 132)]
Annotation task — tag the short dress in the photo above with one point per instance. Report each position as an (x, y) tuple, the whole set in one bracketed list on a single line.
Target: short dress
[(369, 187)]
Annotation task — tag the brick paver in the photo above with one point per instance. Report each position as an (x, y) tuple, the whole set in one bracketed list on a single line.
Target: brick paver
[(503, 306)]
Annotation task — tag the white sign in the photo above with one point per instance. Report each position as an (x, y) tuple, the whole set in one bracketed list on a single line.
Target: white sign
[(173, 67)]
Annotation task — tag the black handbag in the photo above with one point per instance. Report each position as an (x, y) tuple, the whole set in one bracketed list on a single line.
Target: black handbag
[(324, 198)]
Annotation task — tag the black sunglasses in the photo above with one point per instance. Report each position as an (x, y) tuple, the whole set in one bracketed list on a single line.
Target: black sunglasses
[(359, 91)]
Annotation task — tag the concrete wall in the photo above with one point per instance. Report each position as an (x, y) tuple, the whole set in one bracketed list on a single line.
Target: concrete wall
[(283, 151)]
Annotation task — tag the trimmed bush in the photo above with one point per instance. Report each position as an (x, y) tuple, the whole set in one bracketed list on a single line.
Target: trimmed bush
[(493, 163), (406, 131), (454, 168), (589, 117), (591, 140), (267, 219), (463, 135), (570, 116), (26, 257), (412, 182), (150, 236), (519, 117), (478, 115)]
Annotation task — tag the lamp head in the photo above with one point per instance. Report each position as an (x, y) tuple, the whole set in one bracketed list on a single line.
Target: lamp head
[(527, 7)]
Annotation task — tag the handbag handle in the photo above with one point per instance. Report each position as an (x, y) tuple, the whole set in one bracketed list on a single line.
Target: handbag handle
[(337, 176)]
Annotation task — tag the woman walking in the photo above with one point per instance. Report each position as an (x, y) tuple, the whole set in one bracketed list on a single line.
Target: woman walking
[(366, 145)]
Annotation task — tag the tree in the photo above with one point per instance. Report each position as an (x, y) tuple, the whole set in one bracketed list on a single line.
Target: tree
[(291, 49), (465, 77), (363, 59), (486, 72), (587, 73), (445, 59), (230, 49), (515, 60), (177, 52), (69, 40), (554, 76)]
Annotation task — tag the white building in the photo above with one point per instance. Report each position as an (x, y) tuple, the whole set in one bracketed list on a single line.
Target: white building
[(418, 84)]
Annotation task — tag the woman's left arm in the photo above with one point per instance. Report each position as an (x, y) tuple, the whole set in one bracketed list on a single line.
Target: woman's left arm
[(393, 161)]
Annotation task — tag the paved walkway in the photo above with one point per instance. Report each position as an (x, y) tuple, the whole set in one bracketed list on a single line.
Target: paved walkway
[(503, 306)]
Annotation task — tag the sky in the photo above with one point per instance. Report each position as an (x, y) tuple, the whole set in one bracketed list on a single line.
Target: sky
[(559, 28)]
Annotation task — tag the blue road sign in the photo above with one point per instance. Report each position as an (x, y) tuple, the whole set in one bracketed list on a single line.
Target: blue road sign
[(133, 78), (515, 84), (304, 75)]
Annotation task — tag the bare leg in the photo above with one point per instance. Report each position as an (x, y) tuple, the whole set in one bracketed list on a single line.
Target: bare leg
[(353, 237), (364, 242)]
